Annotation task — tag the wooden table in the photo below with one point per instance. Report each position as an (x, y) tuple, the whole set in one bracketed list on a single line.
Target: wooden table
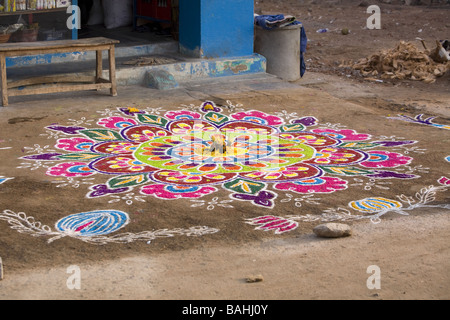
[(58, 83)]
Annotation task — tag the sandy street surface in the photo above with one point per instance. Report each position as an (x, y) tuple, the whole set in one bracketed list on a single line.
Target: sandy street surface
[(201, 246), (411, 253)]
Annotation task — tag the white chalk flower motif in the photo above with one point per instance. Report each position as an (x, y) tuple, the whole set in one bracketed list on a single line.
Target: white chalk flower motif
[(210, 205), (128, 198)]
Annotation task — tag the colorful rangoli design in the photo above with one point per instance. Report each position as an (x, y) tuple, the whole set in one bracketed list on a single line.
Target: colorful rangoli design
[(372, 208), (189, 154), (94, 227), (419, 119), (4, 179)]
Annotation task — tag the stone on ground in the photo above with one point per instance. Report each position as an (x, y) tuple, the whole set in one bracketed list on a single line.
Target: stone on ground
[(333, 230)]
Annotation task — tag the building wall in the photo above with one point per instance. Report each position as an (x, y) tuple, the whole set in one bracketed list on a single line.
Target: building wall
[(216, 28)]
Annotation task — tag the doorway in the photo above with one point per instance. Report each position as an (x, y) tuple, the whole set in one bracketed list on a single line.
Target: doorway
[(132, 22)]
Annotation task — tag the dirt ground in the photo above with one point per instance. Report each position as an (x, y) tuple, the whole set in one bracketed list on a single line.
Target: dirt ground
[(411, 251)]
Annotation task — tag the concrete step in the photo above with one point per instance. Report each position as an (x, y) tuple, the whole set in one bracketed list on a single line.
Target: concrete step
[(180, 69), (168, 47)]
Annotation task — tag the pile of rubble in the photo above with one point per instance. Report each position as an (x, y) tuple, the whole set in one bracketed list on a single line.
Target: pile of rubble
[(405, 61)]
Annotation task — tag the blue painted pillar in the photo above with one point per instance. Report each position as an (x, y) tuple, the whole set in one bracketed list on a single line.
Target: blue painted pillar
[(75, 30), (216, 28)]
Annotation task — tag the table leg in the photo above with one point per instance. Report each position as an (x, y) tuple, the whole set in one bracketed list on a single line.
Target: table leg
[(3, 80), (112, 71), (99, 67)]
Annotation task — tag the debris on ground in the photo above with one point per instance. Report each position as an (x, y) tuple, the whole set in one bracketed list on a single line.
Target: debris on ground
[(405, 61), (149, 61), (253, 279)]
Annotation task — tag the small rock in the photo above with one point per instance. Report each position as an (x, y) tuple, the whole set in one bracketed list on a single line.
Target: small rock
[(332, 230), (161, 80), (252, 279)]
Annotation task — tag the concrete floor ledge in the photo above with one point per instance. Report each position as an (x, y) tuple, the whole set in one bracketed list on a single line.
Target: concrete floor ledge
[(195, 69), (169, 47), (182, 69)]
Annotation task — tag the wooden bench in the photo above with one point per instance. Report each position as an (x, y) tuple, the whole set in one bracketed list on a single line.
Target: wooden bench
[(58, 83)]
